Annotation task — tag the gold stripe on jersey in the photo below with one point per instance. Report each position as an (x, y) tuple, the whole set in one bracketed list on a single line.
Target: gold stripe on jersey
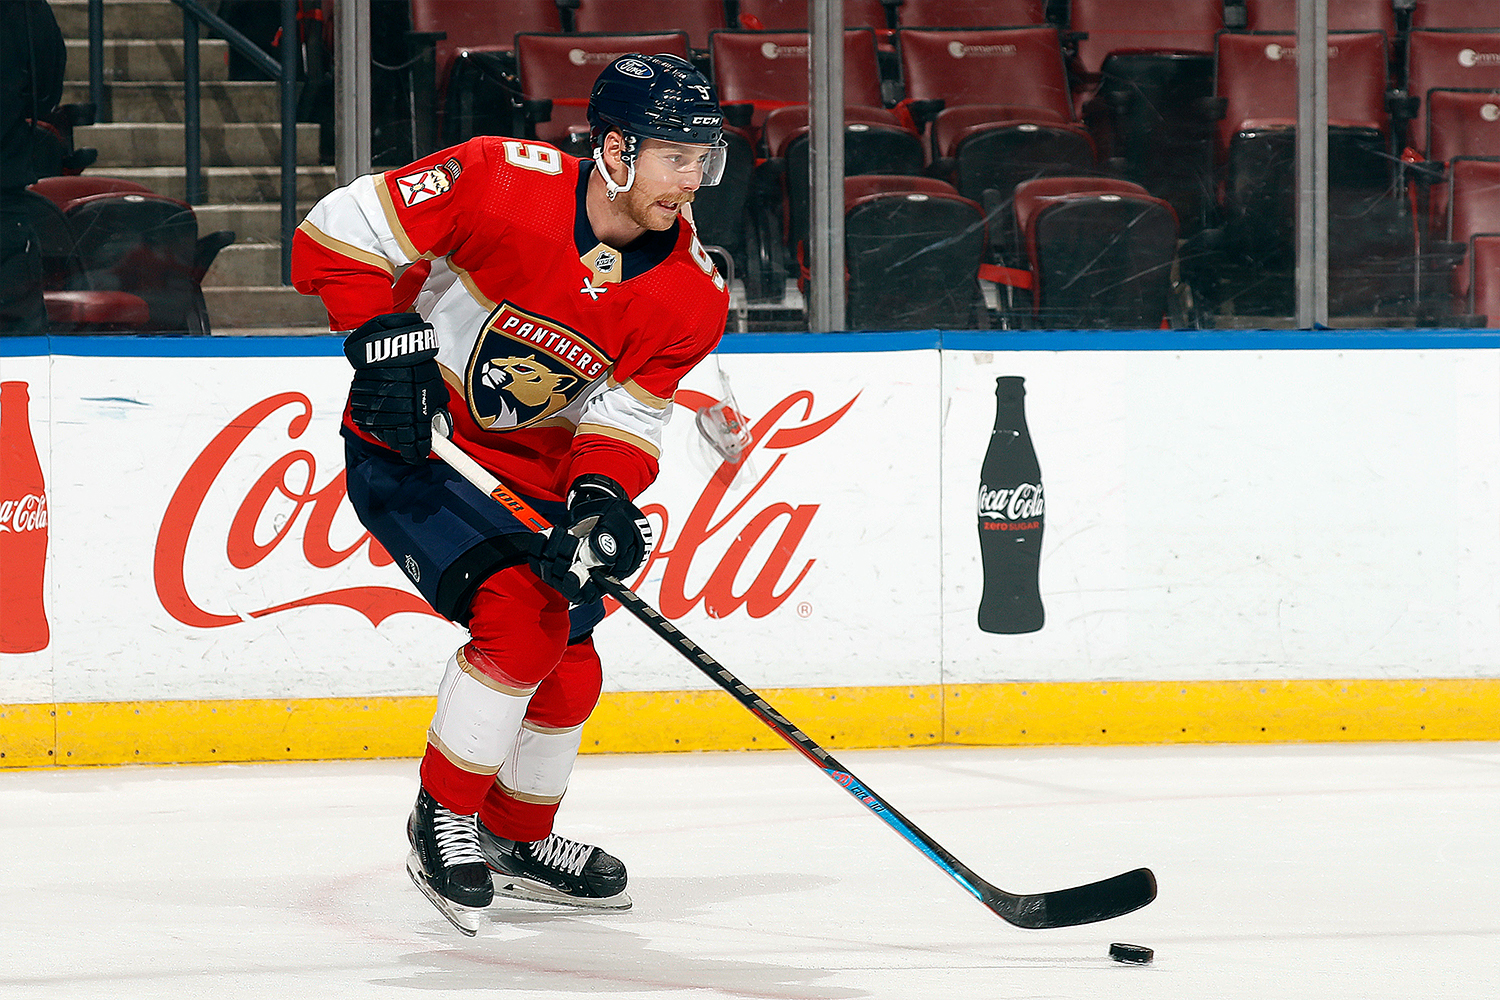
[(487, 303), (604, 430), (640, 395), (345, 249), (394, 221)]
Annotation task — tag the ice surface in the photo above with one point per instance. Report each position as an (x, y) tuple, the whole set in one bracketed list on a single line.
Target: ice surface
[(1292, 873)]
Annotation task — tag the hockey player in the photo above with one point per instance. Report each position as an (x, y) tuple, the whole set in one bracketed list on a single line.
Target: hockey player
[(551, 305)]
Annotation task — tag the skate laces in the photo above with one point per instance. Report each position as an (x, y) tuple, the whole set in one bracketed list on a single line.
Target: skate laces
[(457, 840), (561, 853)]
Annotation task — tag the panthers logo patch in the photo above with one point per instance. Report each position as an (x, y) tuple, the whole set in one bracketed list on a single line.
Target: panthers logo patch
[(525, 368)]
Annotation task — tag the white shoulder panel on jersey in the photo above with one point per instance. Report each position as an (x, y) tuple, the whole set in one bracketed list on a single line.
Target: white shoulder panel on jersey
[(356, 215)]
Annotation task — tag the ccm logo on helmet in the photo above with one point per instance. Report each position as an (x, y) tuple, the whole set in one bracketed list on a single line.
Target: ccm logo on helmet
[(635, 68)]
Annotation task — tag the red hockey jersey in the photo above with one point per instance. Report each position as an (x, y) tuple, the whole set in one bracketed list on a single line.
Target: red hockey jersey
[(561, 354)]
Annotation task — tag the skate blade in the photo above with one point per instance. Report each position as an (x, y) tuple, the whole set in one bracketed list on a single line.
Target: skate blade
[(534, 892), (465, 918)]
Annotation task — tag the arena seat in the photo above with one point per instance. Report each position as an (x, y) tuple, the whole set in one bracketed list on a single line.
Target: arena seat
[(74, 304), (912, 251), (1371, 242), (1343, 15), (561, 69), (1146, 74), (970, 13), (1455, 14), (762, 78), (791, 15), (1098, 251), (1452, 60), (1484, 277), (1473, 209), (1459, 123), (695, 18), (998, 110), (474, 61)]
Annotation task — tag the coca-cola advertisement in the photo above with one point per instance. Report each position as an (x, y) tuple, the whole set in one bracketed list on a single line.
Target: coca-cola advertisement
[(1011, 514), (23, 527), (208, 527)]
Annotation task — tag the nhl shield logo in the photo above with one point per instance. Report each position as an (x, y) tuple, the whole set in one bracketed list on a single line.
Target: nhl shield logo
[(525, 369)]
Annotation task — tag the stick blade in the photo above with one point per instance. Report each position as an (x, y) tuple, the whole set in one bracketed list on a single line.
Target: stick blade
[(1083, 904)]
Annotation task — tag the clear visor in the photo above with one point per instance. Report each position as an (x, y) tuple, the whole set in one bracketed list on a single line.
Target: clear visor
[(707, 161)]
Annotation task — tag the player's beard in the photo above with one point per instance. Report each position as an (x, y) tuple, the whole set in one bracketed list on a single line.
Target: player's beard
[(641, 208)]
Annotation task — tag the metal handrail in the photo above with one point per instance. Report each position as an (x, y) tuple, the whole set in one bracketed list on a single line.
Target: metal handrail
[(284, 72)]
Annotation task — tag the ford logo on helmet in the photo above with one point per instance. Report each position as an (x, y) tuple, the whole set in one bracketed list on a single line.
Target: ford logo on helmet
[(635, 68)]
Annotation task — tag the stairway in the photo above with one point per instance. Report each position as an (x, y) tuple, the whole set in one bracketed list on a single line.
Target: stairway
[(142, 140)]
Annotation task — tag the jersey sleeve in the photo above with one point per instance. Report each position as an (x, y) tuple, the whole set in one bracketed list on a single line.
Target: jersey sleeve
[(355, 242)]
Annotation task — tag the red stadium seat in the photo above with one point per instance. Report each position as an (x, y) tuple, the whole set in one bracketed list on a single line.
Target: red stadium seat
[(1459, 123), (1006, 111), (768, 70), (144, 244), (1455, 14), (697, 18), (912, 251), (1343, 15), (479, 26), (970, 13), (1129, 26), (1371, 243), (80, 298), (1147, 73), (474, 66), (1452, 60), (1473, 208), (791, 15), (562, 69), (1098, 252), (1484, 277), (762, 78)]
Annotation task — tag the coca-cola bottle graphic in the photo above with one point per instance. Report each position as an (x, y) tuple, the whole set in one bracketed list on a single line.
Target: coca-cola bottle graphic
[(23, 528), (1010, 518)]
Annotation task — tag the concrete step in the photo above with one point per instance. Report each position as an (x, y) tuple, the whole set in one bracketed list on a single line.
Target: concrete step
[(251, 223), (219, 102), (122, 19), (264, 307), (161, 144), (229, 185), (242, 265), (146, 58)]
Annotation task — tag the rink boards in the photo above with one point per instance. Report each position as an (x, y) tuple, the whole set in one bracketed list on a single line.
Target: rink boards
[(1248, 537)]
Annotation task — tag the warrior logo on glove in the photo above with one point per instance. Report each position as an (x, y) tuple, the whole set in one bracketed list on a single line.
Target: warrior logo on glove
[(525, 368)]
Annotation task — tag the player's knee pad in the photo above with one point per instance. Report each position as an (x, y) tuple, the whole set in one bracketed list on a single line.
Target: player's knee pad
[(477, 717), (518, 627)]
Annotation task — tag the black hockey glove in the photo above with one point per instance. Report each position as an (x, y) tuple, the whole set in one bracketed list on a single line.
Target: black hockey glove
[(397, 386), (604, 529)]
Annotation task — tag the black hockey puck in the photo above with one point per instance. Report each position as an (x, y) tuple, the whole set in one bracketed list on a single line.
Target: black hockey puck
[(1131, 954)]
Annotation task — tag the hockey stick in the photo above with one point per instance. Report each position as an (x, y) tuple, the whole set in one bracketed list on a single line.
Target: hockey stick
[(1082, 904)]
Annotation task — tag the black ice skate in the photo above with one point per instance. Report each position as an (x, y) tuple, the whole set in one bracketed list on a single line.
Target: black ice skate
[(555, 870), (446, 864)]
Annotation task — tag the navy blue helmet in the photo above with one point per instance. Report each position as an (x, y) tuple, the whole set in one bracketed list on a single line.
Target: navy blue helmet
[(658, 97)]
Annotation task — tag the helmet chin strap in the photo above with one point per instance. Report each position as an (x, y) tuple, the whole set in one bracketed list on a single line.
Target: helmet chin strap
[(627, 155)]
